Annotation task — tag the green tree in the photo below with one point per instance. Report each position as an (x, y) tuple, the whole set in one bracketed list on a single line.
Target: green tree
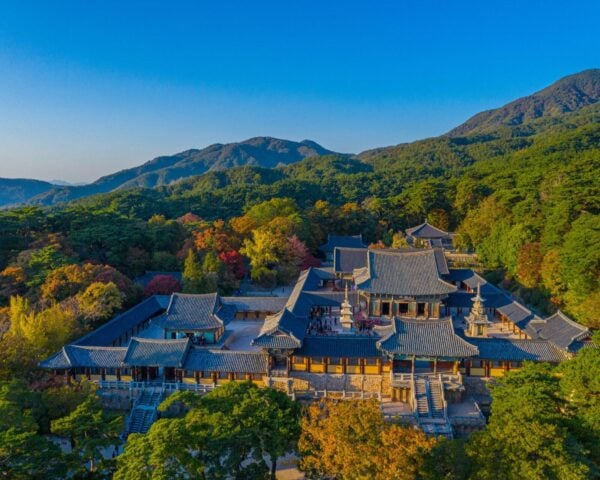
[(91, 430)]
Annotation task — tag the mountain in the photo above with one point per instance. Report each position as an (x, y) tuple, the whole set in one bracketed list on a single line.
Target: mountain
[(14, 191), (266, 152), (568, 94)]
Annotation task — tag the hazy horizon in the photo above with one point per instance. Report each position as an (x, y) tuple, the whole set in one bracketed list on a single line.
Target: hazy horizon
[(88, 90)]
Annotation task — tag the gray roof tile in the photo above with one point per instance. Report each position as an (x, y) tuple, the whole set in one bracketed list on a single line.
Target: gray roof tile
[(256, 304), (346, 260), (144, 352), (517, 350), (425, 230), (193, 312), (404, 273), (558, 329), (226, 361), (113, 329), (429, 338), (86, 356)]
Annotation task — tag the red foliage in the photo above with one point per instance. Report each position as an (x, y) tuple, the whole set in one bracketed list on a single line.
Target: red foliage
[(234, 262), (189, 218), (162, 285), (310, 261)]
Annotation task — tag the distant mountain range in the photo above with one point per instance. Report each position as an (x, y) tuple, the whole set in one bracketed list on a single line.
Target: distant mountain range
[(569, 94), (266, 152)]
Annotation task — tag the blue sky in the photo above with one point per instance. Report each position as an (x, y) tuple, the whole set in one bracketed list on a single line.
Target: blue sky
[(88, 88)]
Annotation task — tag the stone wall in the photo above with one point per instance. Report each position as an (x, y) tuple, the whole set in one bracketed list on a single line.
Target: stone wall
[(379, 384)]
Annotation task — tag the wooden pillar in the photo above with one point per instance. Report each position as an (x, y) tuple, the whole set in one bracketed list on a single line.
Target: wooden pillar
[(379, 366), (344, 362), (455, 367), (412, 369), (434, 365), (307, 364)]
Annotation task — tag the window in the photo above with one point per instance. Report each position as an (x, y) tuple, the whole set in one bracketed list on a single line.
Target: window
[(335, 361), (385, 308), (223, 375), (297, 359), (420, 309), (240, 376), (371, 361), (257, 376), (403, 309), (188, 373), (353, 361)]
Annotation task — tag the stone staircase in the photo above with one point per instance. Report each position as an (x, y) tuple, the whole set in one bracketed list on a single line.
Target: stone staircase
[(430, 407), (145, 410), (422, 407)]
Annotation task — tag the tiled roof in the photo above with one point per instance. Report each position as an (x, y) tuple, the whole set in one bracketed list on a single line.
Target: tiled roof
[(429, 338), (282, 330), (144, 352), (226, 361), (517, 350), (405, 273), (558, 329), (256, 304), (513, 310), (440, 261), (425, 230), (350, 346), (84, 356), (113, 329), (353, 241), (193, 312), (346, 260), (331, 298)]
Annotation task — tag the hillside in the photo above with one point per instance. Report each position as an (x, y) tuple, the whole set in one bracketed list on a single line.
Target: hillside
[(566, 95), (14, 191), (266, 152)]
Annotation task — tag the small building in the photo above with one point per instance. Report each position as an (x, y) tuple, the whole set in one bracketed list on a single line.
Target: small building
[(426, 235)]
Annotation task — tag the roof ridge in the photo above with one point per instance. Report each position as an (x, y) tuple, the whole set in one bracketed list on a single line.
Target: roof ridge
[(159, 340)]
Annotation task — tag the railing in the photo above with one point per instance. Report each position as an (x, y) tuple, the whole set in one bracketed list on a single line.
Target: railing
[(165, 387), (337, 394), (413, 394), (444, 402)]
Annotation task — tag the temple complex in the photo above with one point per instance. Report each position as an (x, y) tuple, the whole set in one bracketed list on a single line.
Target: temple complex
[(398, 325)]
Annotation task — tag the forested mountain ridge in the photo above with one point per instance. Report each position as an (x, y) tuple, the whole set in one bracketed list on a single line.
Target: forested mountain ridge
[(566, 95), (264, 152), (19, 190), (525, 197)]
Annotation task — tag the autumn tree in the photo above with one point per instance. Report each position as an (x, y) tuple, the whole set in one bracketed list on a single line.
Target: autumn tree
[(351, 440), (529, 263), (162, 285), (99, 301)]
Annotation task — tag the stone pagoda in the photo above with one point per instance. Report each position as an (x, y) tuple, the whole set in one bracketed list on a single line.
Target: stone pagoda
[(477, 320)]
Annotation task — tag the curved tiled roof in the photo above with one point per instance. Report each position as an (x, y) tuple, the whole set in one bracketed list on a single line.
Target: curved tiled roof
[(426, 230), (143, 352), (403, 273), (226, 361), (558, 329), (282, 330), (518, 350), (193, 312), (428, 338), (256, 304), (86, 356), (113, 329), (346, 260)]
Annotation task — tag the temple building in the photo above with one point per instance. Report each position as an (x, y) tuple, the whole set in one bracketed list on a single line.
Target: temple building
[(398, 325), (426, 235)]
